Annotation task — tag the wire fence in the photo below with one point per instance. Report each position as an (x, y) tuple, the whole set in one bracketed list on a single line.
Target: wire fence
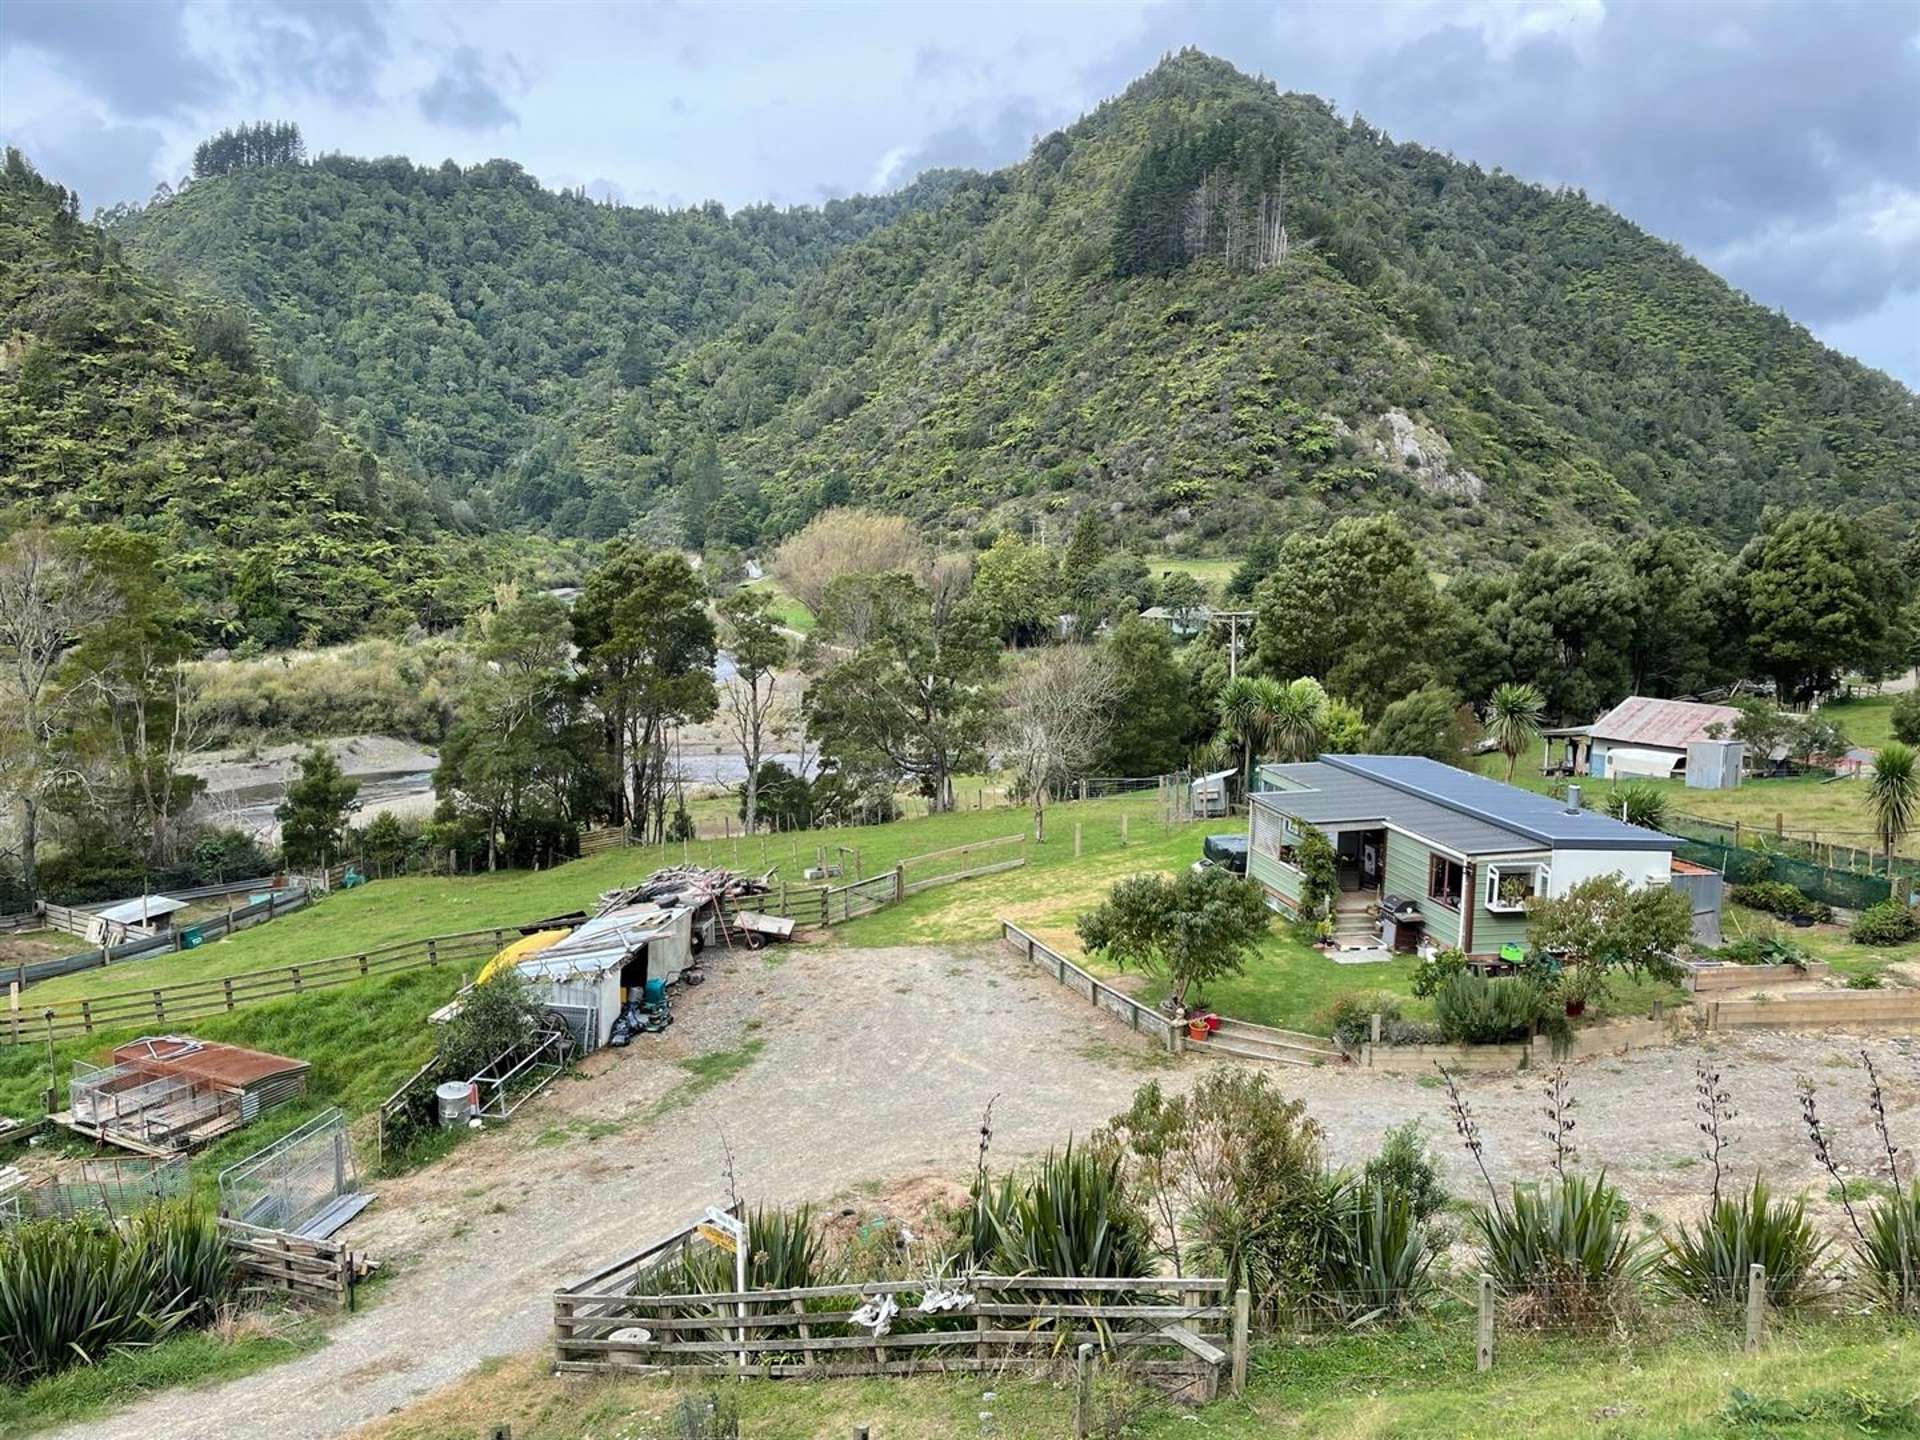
[(1828, 849), (290, 1182)]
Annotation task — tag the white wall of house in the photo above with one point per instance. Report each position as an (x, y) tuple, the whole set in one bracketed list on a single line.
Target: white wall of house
[(1637, 867)]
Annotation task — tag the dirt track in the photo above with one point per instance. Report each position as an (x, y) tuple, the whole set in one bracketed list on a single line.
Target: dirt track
[(855, 1067)]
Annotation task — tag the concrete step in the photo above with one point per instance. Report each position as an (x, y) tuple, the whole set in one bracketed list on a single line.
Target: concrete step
[(1290, 1046), (1224, 1048)]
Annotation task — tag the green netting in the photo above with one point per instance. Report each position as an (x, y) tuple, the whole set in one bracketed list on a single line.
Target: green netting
[(1741, 866)]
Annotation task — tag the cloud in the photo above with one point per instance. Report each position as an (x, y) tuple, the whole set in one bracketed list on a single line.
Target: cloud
[(1002, 138), (106, 162), (330, 48), (465, 97), (136, 59)]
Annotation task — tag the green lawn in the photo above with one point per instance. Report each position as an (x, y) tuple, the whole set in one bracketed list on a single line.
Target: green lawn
[(1827, 1380), (1212, 572), (790, 611), (1823, 942)]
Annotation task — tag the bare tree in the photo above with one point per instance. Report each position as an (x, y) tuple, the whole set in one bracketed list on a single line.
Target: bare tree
[(1057, 713), (838, 543), (50, 599)]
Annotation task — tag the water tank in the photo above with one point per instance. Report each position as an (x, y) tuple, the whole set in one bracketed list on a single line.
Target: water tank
[(455, 1099)]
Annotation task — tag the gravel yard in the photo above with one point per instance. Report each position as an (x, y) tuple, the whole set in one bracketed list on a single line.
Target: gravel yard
[(830, 1069)]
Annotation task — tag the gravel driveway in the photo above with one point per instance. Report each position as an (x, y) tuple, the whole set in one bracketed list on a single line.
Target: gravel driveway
[(852, 1067)]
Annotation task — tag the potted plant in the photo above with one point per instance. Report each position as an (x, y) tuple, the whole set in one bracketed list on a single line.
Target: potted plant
[(1515, 891), (1578, 985), (1323, 931)]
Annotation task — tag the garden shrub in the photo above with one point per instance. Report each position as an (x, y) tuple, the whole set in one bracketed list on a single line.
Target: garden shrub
[(1891, 922), (1563, 1253), (1710, 1263), (1349, 1019), (1474, 1010), (1437, 969), (1776, 897), (1071, 1216), (1890, 1254), (1376, 1254), (1763, 949), (1406, 1163)]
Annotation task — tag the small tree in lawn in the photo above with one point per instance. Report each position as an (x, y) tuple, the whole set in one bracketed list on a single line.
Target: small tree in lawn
[(1513, 720), (1192, 927), (1603, 925), (758, 646), (313, 817)]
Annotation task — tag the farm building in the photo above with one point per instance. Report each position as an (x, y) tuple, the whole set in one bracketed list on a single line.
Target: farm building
[(1212, 795), (167, 1093), (1661, 739), (585, 974), (1448, 857), (145, 915)]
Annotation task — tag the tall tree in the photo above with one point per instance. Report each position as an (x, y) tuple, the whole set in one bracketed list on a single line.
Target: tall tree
[(1297, 719), (1430, 722), (313, 815), (1819, 594), (758, 648), (1151, 715), (1567, 620), (52, 601), (1056, 711), (647, 644), (1247, 707), (912, 699), (839, 543), (1016, 591)]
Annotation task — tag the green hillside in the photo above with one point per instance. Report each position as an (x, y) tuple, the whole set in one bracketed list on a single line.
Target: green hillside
[(1202, 305), (123, 403), (455, 320)]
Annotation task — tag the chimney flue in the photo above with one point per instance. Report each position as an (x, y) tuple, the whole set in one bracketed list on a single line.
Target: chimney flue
[(1573, 799)]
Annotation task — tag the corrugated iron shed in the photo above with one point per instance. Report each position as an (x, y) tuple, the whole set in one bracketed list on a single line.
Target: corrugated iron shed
[(206, 1061), (1663, 724)]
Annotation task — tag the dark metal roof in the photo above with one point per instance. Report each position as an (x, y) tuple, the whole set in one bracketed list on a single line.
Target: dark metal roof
[(1453, 808)]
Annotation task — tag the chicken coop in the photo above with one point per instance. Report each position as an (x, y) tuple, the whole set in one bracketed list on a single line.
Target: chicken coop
[(164, 1094)]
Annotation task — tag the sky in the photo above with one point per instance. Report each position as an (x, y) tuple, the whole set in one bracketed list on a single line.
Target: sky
[(1778, 142)]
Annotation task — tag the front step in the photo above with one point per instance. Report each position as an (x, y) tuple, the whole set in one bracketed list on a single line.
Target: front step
[(1217, 1046), (1263, 1042)]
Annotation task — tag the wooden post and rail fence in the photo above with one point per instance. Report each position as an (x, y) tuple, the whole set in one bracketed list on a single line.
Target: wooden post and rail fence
[(309, 1271)]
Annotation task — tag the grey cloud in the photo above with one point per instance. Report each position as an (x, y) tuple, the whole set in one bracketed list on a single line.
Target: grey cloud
[(105, 163), (1002, 138), (464, 96), (134, 57), (330, 48)]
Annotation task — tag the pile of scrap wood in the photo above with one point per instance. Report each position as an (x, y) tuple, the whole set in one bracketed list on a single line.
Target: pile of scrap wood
[(693, 887)]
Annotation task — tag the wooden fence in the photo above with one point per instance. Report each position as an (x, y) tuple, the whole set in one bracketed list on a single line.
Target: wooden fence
[(1186, 1327), (837, 904), (170, 1004), (308, 1271), (1144, 1018), (235, 920)]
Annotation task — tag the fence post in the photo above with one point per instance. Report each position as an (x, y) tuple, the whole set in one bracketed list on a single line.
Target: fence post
[(1756, 1306), (1083, 1393), (1123, 829), (1483, 1350), (433, 953), (227, 985), (1373, 1027), (899, 883), (1076, 839), (1242, 1307), (86, 1015)]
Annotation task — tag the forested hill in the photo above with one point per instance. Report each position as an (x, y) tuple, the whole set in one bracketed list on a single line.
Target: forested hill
[(123, 403), (1209, 307), (456, 320)]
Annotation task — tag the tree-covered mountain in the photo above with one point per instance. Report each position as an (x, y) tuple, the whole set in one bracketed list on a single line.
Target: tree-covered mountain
[(456, 320), (123, 403), (1210, 307)]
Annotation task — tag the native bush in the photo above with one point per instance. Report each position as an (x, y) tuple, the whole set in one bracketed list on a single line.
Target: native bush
[(1071, 1216), (1407, 1164), (1891, 922), (1436, 970), (1562, 1252), (1710, 1262), (1475, 1010), (1349, 1018), (74, 1291)]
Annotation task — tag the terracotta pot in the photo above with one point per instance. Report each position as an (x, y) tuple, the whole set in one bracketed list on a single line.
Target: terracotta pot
[(1576, 1008), (1198, 1030)]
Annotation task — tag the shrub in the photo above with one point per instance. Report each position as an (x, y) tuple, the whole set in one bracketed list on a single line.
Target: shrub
[(1563, 1253), (1710, 1263), (1072, 1216), (783, 1253), (1767, 949), (1776, 897), (72, 1291), (1865, 980), (1906, 718), (1408, 1165), (1891, 922), (1349, 1019), (1376, 1254), (1890, 1253), (1474, 1010), (1437, 970)]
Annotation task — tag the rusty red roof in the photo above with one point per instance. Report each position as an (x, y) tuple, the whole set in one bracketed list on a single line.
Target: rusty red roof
[(1663, 724), (207, 1061)]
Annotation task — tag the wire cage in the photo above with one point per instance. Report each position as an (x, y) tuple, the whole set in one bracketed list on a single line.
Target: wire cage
[(108, 1185), (294, 1181)]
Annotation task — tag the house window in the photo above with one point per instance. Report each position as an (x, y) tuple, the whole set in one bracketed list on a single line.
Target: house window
[(1510, 887), (1445, 880)]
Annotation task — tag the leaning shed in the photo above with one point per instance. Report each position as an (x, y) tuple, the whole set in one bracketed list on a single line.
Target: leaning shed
[(587, 976), (167, 1093)]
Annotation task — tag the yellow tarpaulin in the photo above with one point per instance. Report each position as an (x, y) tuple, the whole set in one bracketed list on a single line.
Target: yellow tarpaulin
[(524, 948)]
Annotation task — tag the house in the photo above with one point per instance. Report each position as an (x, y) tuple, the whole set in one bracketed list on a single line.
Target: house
[(147, 915), (1182, 624), (1646, 737), (1452, 856)]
